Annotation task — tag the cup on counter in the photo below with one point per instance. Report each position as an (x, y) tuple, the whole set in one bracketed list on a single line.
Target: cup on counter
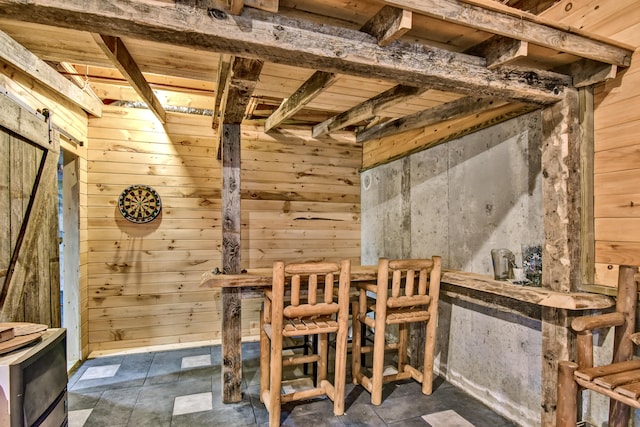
[(518, 275)]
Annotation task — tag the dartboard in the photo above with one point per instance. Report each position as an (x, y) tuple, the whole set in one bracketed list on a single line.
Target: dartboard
[(139, 203)]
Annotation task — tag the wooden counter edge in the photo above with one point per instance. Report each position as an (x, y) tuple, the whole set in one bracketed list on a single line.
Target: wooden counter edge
[(533, 295)]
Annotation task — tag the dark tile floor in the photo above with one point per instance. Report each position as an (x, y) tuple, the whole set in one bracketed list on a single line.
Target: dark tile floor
[(182, 388)]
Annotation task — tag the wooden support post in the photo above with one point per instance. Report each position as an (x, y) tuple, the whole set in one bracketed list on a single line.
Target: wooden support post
[(561, 247), (231, 297)]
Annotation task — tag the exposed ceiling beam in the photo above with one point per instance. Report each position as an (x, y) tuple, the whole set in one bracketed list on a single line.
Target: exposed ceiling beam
[(389, 24), (294, 42), (500, 51), (311, 88), (224, 65), (586, 72), (233, 7), (519, 25), (17, 56), (367, 109), (236, 6), (117, 52), (238, 88), (268, 5), (451, 110)]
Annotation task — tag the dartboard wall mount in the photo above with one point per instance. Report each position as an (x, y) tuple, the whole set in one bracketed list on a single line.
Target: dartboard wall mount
[(139, 204)]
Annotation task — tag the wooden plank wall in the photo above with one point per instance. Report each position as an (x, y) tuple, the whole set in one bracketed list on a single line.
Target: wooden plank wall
[(617, 126), (300, 201)]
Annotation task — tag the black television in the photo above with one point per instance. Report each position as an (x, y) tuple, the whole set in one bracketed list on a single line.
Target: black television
[(33, 383)]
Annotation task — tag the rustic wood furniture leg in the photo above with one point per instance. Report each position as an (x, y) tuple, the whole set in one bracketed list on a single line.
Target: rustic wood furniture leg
[(308, 309), (618, 380), (412, 298)]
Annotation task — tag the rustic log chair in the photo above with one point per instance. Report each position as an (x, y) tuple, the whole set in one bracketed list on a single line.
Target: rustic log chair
[(620, 380), (306, 307), (407, 303)]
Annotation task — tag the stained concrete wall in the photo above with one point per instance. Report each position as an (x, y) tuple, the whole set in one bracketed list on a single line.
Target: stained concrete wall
[(459, 200)]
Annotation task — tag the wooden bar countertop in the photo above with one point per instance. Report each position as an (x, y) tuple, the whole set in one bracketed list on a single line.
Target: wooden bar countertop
[(533, 295)]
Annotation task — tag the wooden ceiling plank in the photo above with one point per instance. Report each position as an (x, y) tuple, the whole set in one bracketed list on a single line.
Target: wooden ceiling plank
[(311, 88), (524, 26), (295, 42), (367, 109), (389, 24), (451, 110), (117, 52), (14, 54), (500, 51)]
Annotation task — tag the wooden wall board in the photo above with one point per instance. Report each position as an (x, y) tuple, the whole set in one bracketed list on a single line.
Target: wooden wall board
[(617, 205), (617, 253), (617, 229), (617, 159), (300, 203), (118, 153), (620, 182), (616, 136)]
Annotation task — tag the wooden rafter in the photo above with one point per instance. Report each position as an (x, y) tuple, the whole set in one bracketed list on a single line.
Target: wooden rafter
[(586, 72), (519, 25), (367, 109), (118, 53), (293, 41), (447, 111), (238, 88), (14, 54), (268, 5), (389, 24), (500, 51), (311, 88), (224, 65), (236, 6)]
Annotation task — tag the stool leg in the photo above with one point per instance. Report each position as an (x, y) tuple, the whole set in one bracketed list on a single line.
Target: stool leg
[(378, 362), (567, 405), (356, 341), (265, 355)]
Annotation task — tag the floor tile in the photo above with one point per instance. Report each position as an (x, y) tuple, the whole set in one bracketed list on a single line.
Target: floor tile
[(448, 418), (96, 372), (79, 417), (196, 361), (192, 403), (183, 388)]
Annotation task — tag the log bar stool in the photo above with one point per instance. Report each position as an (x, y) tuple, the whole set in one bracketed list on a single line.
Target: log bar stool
[(620, 380), (407, 303), (310, 310)]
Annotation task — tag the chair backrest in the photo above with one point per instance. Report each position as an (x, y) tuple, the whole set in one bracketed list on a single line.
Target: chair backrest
[(311, 287), (414, 282)]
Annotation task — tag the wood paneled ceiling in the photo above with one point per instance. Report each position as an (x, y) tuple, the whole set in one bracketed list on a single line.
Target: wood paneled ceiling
[(376, 68)]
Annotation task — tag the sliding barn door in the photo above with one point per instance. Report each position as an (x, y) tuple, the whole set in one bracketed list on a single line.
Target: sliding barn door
[(29, 254)]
